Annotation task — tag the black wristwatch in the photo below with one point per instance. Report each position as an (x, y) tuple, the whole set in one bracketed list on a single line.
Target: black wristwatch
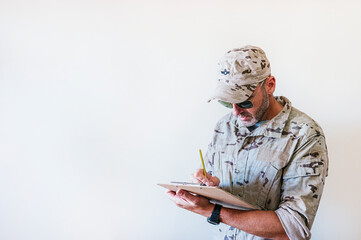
[(214, 218)]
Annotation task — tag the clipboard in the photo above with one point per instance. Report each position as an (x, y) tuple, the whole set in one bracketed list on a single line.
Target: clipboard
[(214, 194)]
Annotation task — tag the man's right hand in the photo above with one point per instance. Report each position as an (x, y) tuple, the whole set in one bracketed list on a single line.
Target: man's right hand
[(198, 177)]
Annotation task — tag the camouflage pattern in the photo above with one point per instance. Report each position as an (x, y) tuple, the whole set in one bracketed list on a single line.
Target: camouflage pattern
[(279, 166), (239, 72)]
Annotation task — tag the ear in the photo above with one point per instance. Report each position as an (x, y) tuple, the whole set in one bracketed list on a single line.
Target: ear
[(270, 85)]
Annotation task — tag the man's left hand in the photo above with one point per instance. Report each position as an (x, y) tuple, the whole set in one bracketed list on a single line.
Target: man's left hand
[(193, 203)]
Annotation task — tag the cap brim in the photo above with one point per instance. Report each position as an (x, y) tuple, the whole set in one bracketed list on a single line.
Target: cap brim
[(233, 94)]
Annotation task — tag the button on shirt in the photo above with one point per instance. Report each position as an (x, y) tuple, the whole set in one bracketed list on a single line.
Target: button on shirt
[(279, 166)]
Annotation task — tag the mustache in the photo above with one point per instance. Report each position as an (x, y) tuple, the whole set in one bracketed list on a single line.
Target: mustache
[(244, 115)]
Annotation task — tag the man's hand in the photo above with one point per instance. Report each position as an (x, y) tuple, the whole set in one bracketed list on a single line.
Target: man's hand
[(261, 223), (198, 177), (194, 203)]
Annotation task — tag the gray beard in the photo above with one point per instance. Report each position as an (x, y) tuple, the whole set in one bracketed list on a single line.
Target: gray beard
[(263, 108), (260, 112)]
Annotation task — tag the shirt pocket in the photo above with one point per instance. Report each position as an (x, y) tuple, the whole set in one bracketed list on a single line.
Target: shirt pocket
[(303, 168), (231, 170), (266, 175), (224, 163)]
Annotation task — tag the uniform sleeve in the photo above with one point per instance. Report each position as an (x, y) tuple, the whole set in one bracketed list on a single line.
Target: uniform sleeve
[(303, 181)]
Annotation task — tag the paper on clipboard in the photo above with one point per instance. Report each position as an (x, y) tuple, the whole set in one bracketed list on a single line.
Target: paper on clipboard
[(215, 194)]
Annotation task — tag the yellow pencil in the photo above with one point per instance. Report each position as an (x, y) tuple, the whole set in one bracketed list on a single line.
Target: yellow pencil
[(204, 168)]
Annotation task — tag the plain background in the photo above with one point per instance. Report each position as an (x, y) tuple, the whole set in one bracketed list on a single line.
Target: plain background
[(101, 100)]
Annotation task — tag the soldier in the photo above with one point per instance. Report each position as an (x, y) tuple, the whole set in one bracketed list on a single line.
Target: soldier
[(265, 151)]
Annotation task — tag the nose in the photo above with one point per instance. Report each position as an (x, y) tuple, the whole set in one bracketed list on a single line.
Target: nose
[(237, 110)]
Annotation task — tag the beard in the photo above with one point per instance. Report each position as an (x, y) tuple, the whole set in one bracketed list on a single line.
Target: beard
[(258, 115)]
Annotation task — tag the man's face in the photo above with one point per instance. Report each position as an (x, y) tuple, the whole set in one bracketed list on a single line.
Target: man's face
[(253, 115)]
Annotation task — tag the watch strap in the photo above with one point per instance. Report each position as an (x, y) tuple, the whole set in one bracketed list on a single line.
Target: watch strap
[(214, 218)]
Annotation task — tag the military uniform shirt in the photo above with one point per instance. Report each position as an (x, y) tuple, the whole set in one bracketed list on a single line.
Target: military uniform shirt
[(280, 166)]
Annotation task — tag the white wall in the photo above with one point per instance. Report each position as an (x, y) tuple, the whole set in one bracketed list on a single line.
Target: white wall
[(98, 98)]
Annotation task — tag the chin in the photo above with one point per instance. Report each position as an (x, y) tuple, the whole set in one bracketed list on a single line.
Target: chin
[(249, 123)]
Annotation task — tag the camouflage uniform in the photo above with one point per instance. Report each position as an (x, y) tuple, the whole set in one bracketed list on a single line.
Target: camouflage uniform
[(279, 166)]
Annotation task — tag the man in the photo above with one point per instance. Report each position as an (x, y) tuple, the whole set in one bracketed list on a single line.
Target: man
[(266, 152)]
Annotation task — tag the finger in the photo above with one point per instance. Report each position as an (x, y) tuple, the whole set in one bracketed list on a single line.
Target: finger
[(195, 179), (212, 180), (215, 181), (199, 173), (199, 177), (178, 200), (186, 196), (170, 193), (201, 180), (209, 181)]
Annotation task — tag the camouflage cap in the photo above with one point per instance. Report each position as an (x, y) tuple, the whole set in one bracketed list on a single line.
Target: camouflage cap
[(240, 70)]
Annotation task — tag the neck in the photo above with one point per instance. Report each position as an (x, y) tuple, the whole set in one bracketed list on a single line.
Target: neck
[(273, 110)]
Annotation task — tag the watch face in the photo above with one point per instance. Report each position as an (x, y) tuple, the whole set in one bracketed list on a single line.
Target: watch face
[(214, 222)]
